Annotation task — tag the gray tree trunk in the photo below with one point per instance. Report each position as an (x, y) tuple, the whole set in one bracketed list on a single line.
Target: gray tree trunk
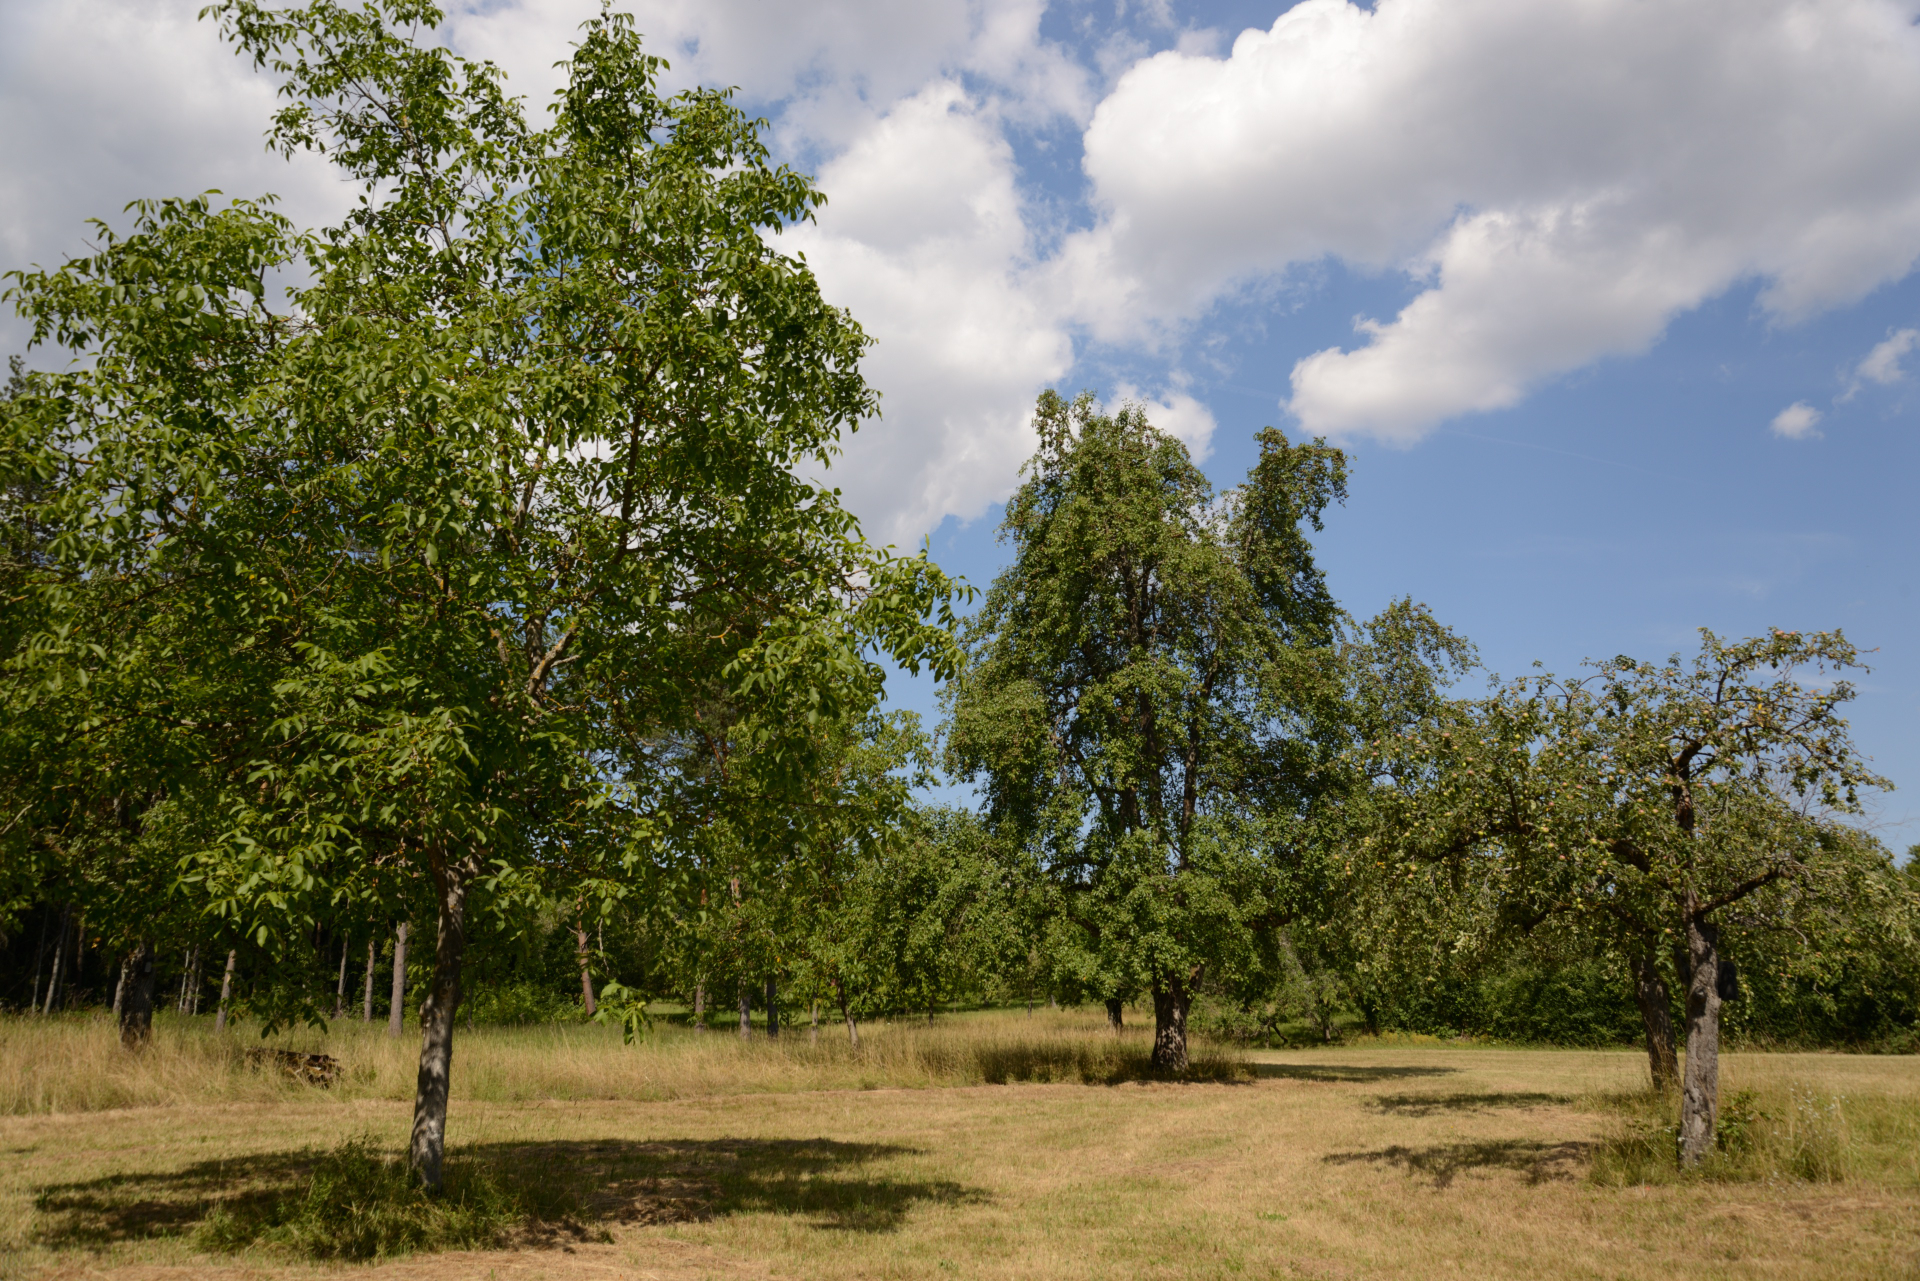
[(428, 1149), (1170, 1002), (226, 991), (119, 990), (136, 1010), (586, 973), (773, 1008), (186, 980), (699, 1007), (1700, 1088), (813, 1024), (397, 1009), (193, 1002), (340, 988), (1656, 1016), (40, 959), (746, 1012), (366, 1000), (846, 1012), (59, 959)]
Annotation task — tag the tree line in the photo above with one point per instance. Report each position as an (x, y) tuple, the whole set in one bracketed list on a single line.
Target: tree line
[(461, 610)]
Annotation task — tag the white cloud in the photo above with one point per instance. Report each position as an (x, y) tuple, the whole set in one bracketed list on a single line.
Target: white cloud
[(1882, 364), (925, 240), (1797, 421), (108, 102), (1177, 414), (1564, 177)]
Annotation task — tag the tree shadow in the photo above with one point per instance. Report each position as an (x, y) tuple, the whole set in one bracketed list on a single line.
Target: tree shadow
[(1418, 1105), (1345, 1072), (1541, 1162), (557, 1190)]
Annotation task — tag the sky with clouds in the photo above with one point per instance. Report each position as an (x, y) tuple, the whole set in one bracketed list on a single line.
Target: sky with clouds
[(1612, 303)]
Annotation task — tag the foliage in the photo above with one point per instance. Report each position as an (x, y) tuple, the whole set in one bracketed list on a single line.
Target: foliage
[(1139, 694)]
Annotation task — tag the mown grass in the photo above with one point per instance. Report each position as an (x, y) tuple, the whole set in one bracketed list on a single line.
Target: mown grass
[(1362, 1161), (76, 1064)]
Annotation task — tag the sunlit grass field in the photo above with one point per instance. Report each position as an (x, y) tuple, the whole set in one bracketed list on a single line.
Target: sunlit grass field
[(994, 1145)]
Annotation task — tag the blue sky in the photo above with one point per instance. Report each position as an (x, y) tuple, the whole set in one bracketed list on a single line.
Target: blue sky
[(1635, 282)]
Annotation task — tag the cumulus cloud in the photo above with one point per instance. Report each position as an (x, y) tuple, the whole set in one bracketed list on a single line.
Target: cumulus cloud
[(1797, 421), (109, 102), (925, 239), (1882, 364), (1564, 179)]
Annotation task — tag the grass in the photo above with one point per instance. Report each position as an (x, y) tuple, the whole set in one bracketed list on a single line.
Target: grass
[(76, 1064), (1369, 1160)]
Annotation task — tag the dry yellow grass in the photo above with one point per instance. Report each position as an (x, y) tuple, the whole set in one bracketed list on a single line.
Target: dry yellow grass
[(1382, 1161)]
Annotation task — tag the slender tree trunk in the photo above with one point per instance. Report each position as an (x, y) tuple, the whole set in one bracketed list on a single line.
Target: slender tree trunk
[(59, 959), (773, 1009), (397, 1008), (1700, 1088), (1115, 1008), (188, 978), (813, 1024), (366, 1000), (746, 1012), (39, 960), (136, 1011), (226, 991), (1170, 1001), (586, 972), (846, 1013), (199, 958), (1052, 1002), (428, 1149), (119, 990), (1656, 1016), (699, 1007), (340, 986)]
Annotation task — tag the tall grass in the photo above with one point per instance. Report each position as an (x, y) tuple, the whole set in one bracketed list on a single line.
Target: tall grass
[(76, 1064), (1780, 1131)]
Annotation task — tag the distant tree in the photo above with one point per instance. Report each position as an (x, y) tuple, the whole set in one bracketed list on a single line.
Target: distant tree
[(1654, 805), (1137, 700)]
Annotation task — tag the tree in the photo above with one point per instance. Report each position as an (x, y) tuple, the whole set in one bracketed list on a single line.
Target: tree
[(450, 529), (1653, 805), (1138, 693)]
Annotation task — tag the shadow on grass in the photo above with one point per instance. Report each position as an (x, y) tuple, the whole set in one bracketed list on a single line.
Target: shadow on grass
[(1344, 1072), (1417, 1105), (534, 1192), (1540, 1162), (1091, 1063)]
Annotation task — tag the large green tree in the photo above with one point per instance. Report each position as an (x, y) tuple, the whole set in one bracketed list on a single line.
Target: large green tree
[(1141, 695), (442, 544)]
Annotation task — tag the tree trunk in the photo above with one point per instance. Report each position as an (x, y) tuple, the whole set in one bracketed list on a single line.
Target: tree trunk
[(226, 991), (119, 990), (746, 1012), (366, 1000), (1170, 1001), (397, 1008), (1656, 1015), (1700, 1089), (853, 1032), (773, 1008), (699, 1007), (59, 959), (428, 1150), (813, 1024), (340, 987), (136, 1011), (186, 980), (40, 959), (1114, 1010), (193, 1002), (586, 972)]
